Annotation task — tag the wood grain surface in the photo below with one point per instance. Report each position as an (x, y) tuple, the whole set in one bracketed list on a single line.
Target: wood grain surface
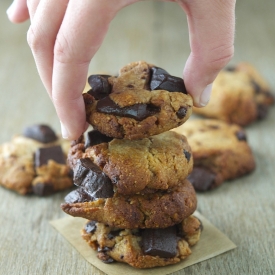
[(243, 209)]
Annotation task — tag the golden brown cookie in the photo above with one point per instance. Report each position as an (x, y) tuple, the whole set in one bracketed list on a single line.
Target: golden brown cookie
[(132, 166), (35, 162), (142, 101), (239, 95), (220, 151), (143, 248), (156, 210)]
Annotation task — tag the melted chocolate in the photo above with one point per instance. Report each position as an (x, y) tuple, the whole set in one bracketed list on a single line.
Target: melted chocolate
[(78, 195), (187, 155), (89, 176), (41, 133), (43, 155), (136, 111), (161, 80), (160, 242), (202, 179), (100, 86), (94, 137), (43, 189), (90, 227), (181, 113)]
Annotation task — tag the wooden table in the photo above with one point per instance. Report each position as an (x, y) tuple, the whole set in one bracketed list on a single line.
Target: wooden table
[(243, 209)]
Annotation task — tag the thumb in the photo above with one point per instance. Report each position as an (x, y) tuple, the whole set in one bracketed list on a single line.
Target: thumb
[(18, 11), (211, 26)]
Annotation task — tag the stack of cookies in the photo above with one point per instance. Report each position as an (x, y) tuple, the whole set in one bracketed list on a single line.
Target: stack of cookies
[(131, 171)]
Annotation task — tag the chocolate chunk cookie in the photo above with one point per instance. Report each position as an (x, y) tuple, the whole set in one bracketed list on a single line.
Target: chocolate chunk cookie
[(131, 166), (220, 152), (35, 162), (157, 210), (142, 101), (239, 95), (143, 248)]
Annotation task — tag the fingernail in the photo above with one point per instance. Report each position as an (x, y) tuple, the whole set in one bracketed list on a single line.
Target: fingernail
[(205, 96), (64, 131), (10, 10)]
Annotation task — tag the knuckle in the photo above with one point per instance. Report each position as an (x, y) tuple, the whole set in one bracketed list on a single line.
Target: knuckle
[(34, 40), (221, 56)]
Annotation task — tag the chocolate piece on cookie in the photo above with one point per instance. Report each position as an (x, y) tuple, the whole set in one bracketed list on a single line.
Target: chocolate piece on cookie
[(156, 210), (239, 95), (220, 151), (35, 162), (135, 166), (142, 101), (143, 248)]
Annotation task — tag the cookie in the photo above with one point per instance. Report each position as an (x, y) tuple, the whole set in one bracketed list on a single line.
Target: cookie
[(35, 162), (240, 95), (220, 151), (156, 210), (131, 166), (142, 101), (143, 248)]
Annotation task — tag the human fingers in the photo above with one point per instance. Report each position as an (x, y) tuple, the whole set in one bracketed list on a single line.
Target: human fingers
[(83, 29), (211, 26), (18, 11)]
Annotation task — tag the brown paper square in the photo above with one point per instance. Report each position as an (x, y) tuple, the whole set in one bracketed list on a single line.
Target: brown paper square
[(212, 243)]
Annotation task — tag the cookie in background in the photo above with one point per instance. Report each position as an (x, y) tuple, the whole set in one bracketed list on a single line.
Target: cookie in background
[(220, 152), (35, 162), (240, 95)]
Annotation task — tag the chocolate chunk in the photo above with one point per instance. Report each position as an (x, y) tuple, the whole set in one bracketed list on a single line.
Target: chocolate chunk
[(160, 242), (78, 195), (262, 111), (257, 88), (90, 227), (41, 133), (42, 155), (94, 137), (241, 135), (113, 234), (161, 80), (230, 69), (43, 189), (187, 155), (100, 86), (181, 113), (202, 179), (105, 258), (137, 111), (92, 179)]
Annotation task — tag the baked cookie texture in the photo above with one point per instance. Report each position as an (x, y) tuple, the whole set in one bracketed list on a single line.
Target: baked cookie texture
[(143, 248), (239, 95), (136, 166), (157, 210), (220, 151), (143, 100), (35, 162)]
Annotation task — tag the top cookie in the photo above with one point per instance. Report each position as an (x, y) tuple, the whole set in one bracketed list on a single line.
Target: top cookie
[(239, 95), (142, 101)]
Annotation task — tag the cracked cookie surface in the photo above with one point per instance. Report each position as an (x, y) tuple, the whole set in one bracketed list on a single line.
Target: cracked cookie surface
[(220, 151), (142, 101), (25, 167), (137, 166), (239, 95), (157, 210), (128, 246)]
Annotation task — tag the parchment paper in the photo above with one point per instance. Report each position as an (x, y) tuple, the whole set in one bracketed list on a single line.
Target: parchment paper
[(212, 243)]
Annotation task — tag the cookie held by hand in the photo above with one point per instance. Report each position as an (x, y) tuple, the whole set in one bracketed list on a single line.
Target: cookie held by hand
[(142, 101)]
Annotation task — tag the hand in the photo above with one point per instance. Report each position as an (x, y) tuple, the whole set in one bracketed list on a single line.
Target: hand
[(62, 49)]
